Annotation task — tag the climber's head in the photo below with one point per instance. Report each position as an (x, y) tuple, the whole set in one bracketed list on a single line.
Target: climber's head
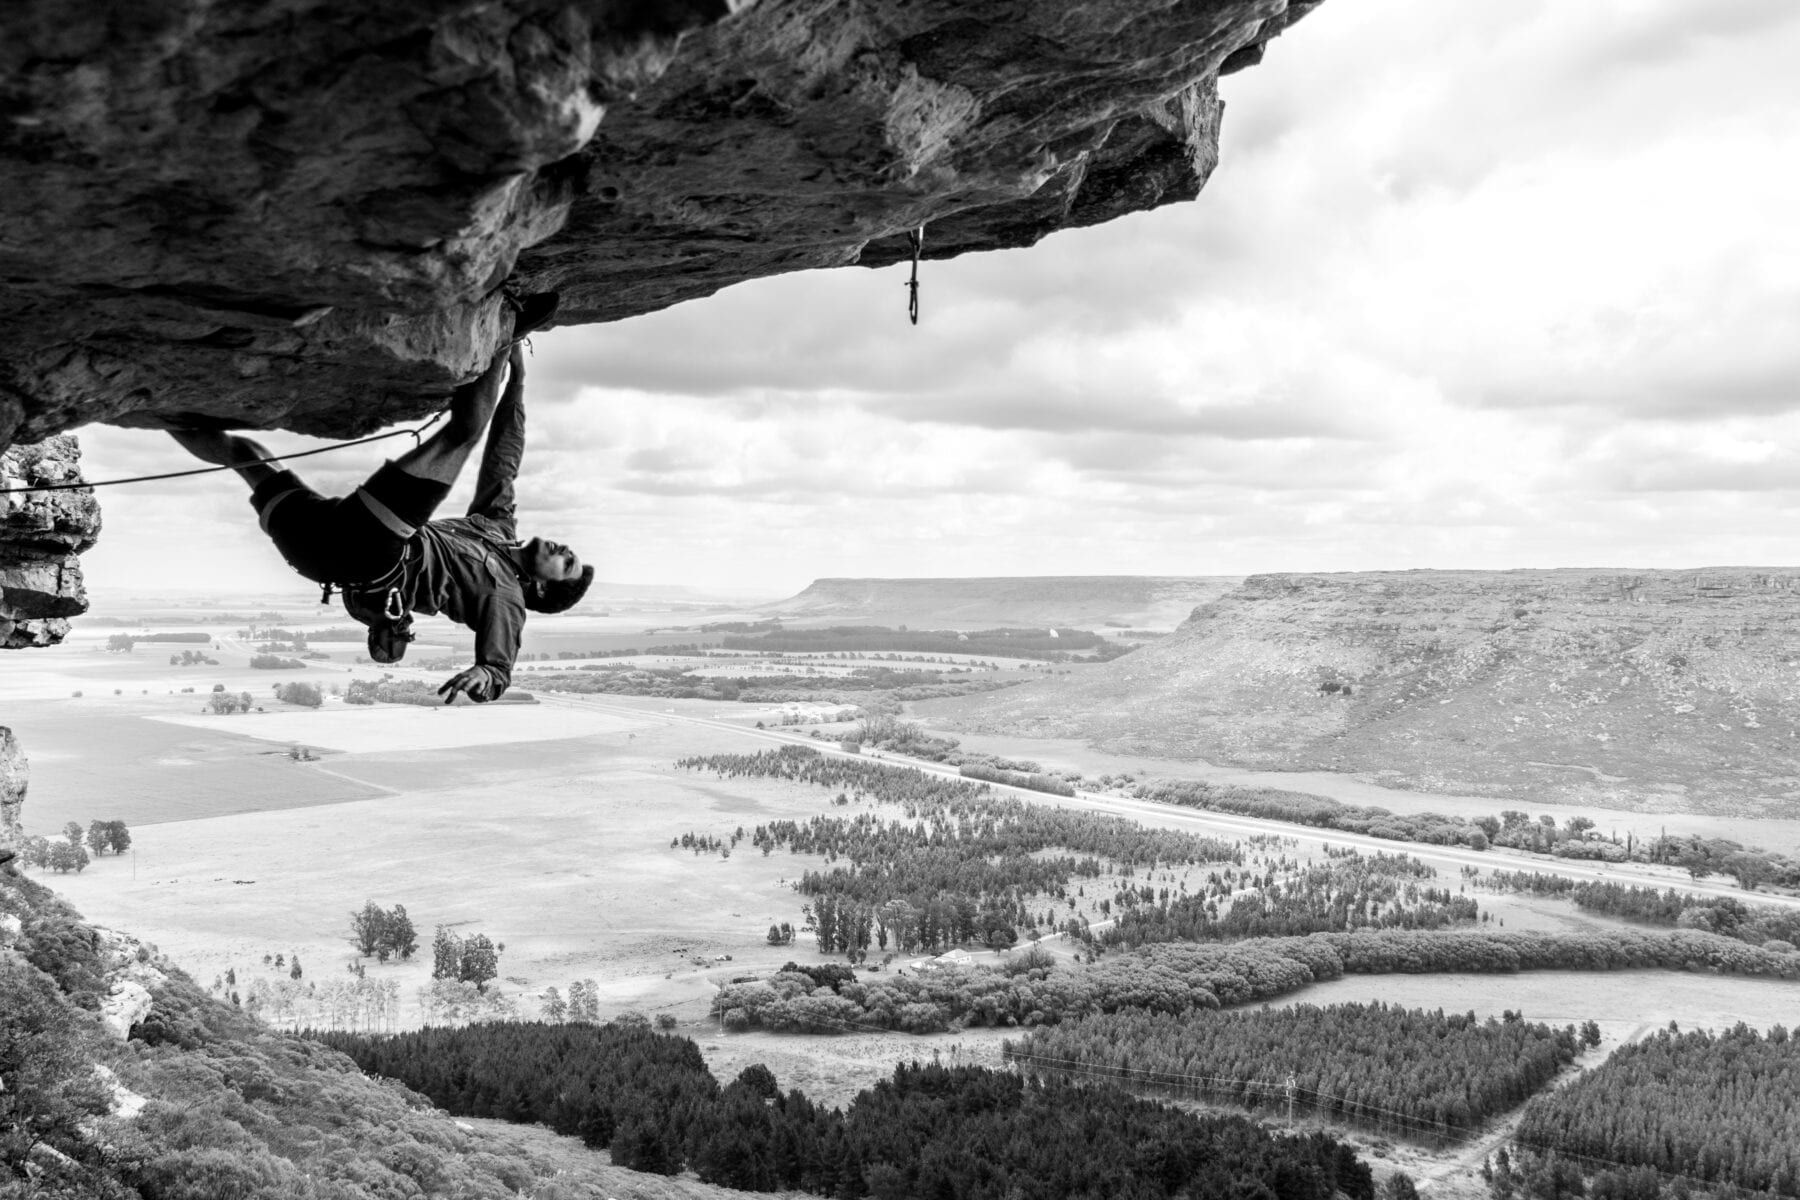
[(556, 576)]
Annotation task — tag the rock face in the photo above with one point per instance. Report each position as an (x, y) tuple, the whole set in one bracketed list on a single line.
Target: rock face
[(13, 777), (1084, 601), (41, 533), (1656, 690), (298, 213)]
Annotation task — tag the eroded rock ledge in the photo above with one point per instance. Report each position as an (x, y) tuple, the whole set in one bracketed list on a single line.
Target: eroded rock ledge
[(297, 214)]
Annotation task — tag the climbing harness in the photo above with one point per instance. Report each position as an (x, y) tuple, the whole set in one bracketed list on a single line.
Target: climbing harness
[(916, 239), (417, 433)]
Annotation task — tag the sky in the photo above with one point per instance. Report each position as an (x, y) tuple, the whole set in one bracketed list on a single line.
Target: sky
[(1487, 285)]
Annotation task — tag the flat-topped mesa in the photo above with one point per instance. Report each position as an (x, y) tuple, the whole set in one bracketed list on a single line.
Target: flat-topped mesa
[(299, 215), (1621, 688)]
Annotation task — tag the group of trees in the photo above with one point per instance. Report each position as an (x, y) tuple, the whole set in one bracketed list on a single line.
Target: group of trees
[(275, 662), (961, 866), (1577, 837), (1716, 1108), (384, 932), (1177, 977), (474, 959), (306, 695), (1404, 1071), (1352, 891), (1760, 925), (74, 850), (125, 643), (225, 703), (1044, 645), (583, 1003), (192, 658), (970, 1132), (1036, 781)]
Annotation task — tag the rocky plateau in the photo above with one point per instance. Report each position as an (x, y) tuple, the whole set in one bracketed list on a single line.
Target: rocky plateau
[(306, 214), (1084, 601), (1643, 690)]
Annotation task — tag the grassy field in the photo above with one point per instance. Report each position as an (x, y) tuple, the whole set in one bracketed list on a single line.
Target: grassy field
[(1622, 1003), (548, 828)]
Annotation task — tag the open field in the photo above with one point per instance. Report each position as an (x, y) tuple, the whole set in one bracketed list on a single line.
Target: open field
[(1620, 1002), (1056, 754)]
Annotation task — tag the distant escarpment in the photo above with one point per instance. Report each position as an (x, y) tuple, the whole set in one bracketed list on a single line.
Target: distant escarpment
[(1082, 601), (1646, 690)]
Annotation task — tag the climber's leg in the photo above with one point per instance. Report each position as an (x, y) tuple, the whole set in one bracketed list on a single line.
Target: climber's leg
[(230, 450), (441, 456)]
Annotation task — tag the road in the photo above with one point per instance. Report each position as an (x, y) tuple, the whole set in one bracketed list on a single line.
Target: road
[(1201, 821)]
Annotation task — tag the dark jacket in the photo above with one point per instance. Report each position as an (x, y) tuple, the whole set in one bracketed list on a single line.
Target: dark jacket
[(461, 567)]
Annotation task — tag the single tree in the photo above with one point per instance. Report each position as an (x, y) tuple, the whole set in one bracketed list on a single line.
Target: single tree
[(98, 839), (294, 971), (399, 936), (367, 928), (480, 961), (118, 837), (446, 954)]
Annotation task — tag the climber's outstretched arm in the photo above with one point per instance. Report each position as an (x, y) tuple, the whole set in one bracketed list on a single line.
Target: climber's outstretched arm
[(442, 455)]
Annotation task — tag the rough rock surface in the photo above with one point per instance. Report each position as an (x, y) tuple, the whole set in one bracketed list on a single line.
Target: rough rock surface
[(41, 533), (124, 1006), (1654, 690), (1084, 601), (297, 213), (14, 775)]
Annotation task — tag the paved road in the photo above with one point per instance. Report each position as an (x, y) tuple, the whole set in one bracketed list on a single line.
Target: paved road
[(1201, 821)]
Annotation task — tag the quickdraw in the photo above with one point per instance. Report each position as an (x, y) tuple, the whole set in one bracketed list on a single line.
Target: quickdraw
[(915, 239)]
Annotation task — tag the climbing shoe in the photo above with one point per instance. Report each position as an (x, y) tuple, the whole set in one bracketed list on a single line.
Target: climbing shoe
[(531, 313)]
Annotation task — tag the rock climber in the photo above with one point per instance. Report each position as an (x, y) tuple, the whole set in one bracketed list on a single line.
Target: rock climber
[(391, 560)]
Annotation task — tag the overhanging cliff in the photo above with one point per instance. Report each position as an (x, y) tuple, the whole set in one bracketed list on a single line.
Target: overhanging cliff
[(298, 214)]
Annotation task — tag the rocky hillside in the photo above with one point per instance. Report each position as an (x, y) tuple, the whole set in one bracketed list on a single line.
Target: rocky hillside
[(1082, 601), (1652, 690)]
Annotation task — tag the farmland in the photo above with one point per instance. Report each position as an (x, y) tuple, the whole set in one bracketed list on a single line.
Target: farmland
[(547, 827)]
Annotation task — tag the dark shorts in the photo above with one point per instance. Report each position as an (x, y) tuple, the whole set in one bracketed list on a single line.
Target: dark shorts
[(349, 539)]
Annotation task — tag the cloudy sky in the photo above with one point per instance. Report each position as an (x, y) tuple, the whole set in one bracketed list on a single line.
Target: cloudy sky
[(1484, 285)]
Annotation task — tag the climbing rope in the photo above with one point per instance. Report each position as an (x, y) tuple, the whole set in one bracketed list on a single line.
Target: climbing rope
[(417, 434), (916, 239)]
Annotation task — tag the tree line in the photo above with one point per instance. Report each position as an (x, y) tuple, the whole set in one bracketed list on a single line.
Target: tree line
[(1043, 645), (1719, 1108), (74, 850), (962, 866), (1176, 977), (931, 1130), (1379, 891), (1760, 925), (1575, 838), (1399, 1070)]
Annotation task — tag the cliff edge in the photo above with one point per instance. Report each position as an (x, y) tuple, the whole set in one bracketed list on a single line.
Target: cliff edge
[(1644, 690)]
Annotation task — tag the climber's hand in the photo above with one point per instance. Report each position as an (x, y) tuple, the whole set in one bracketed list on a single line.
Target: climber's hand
[(477, 683)]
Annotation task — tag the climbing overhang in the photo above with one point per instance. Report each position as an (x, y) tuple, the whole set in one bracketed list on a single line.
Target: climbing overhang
[(297, 213)]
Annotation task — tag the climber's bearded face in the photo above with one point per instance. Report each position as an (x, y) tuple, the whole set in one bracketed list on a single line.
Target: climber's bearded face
[(551, 561)]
